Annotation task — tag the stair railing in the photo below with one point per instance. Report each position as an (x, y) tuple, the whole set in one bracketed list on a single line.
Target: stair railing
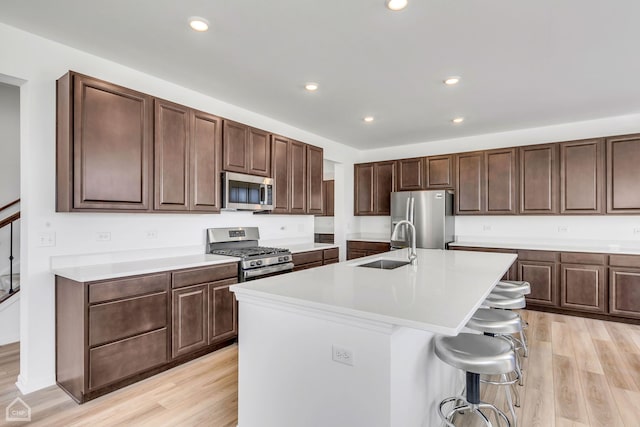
[(9, 221)]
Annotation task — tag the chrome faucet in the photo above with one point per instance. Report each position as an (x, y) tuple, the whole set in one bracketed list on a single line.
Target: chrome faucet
[(394, 236)]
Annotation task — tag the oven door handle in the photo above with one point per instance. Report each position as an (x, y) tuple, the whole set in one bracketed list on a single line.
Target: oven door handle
[(267, 270)]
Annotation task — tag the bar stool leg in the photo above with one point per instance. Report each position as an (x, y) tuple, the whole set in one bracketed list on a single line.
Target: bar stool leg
[(510, 401), (496, 411), (523, 339)]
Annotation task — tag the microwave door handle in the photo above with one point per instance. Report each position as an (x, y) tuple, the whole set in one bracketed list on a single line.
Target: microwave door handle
[(263, 194)]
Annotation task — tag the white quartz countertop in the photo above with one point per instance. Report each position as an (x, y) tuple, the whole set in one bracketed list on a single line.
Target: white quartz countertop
[(90, 273), (306, 247), (572, 246), (439, 294), (370, 237)]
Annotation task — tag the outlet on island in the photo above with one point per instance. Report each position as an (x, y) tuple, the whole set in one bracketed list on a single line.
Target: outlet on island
[(342, 355)]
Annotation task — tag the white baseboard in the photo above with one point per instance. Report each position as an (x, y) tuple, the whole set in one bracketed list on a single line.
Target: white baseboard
[(27, 387)]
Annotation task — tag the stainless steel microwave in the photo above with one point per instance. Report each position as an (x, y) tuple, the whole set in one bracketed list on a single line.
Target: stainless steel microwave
[(247, 192)]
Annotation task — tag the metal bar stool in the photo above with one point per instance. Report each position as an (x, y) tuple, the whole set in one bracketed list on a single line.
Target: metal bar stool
[(514, 286), (475, 354), (500, 299), (501, 324)]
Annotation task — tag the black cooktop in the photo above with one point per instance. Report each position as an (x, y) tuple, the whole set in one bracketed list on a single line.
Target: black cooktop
[(255, 251)]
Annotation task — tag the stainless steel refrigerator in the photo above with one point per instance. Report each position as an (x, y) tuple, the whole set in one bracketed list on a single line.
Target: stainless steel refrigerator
[(431, 212)]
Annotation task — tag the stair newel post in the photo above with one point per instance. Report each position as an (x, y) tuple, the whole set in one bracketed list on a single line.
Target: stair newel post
[(11, 258)]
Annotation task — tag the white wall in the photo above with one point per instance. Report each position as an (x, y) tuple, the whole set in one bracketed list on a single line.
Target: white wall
[(498, 228), (9, 143), (38, 62)]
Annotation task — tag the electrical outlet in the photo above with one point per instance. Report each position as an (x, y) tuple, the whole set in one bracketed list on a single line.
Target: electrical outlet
[(342, 355), (636, 230), (486, 228), (152, 234), (47, 239), (563, 229), (103, 236)]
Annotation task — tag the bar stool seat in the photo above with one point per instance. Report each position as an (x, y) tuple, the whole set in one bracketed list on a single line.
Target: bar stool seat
[(475, 354), (512, 286), (505, 300), (491, 321)]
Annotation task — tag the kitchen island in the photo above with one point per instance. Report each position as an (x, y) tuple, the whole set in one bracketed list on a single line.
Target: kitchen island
[(346, 345)]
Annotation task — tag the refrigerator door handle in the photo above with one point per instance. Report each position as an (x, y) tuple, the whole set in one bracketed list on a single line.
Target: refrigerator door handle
[(406, 214), (412, 210)]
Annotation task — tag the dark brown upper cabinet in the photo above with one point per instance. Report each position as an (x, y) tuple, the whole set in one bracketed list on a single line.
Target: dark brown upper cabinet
[(582, 177), (486, 182), (501, 182), (206, 162), (539, 179), (281, 165), (411, 174), (329, 196), (187, 159), (314, 180), (104, 151), (373, 185), (470, 172), (245, 149), (298, 182), (171, 138), (623, 174), (439, 172)]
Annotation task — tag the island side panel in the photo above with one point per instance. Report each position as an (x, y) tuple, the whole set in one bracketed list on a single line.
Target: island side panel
[(419, 379), (287, 377)]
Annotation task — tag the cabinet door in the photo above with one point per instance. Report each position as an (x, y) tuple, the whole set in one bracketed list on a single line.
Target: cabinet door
[(624, 292), (329, 196), (206, 162), (411, 174), (582, 177), (500, 175), (539, 179), (356, 253), (623, 174), (171, 147), (439, 172), (363, 189), (111, 146), (583, 287), (298, 178), (281, 155), (223, 318), (469, 183), (384, 180), (235, 147), (314, 180), (259, 153), (189, 320), (543, 279)]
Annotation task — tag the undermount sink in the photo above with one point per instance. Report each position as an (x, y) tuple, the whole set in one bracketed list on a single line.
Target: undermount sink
[(384, 264)]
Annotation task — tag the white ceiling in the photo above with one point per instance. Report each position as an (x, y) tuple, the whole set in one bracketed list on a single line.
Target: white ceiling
[(523, 63)]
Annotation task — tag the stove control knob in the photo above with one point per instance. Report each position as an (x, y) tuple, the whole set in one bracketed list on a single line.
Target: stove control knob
[(252, 264), (281, 258), (286, 258), (258, 262)]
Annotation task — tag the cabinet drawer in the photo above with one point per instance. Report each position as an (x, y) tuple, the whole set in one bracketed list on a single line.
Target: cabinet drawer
[(205, 275), (581, 258), (368, 246), (120, 319), (119, 360), (331, 261), (355, 253), (539, 256), (331, 254), (624, 261), (307, 257), (307, 266), (126, 288)]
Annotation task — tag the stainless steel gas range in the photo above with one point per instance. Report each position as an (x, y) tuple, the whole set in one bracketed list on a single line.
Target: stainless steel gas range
[(256, 261)]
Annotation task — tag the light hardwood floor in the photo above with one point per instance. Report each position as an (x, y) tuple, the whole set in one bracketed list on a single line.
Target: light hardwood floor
[(581, 372)]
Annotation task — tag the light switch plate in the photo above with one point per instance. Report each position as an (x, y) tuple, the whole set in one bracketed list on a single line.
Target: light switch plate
[(342, 355)]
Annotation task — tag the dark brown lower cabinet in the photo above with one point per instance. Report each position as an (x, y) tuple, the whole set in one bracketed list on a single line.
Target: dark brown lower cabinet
[(542, 276), (359, 249), (189, 319), (112, 333), (624, 292), (583, 287), (315, 258)]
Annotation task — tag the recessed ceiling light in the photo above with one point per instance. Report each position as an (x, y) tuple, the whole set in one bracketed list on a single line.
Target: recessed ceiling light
[(311, 86), (198, 24), (396, 5), (368, 119), (453, 80), (458, 120)]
